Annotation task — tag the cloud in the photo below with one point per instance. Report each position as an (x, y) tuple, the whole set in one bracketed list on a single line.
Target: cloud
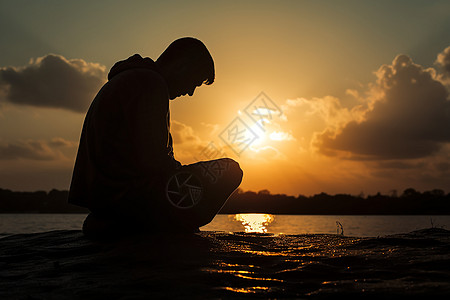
[(213, 128), (266, 153), (183, 134), (329, 109), (52, 81), (443, 60), (406, 116), (281, 136), (35, 149), (303, 118), (422, 173), (62, 143), (188, 146)]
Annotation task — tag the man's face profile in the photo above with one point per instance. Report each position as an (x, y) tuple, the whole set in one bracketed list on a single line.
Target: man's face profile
[(183, 83)]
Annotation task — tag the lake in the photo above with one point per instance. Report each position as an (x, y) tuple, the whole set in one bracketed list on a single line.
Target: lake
[(349, 225), (234, 257)]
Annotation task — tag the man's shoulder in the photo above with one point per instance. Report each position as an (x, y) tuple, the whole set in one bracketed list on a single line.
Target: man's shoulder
[(140, 77), (139, 84)]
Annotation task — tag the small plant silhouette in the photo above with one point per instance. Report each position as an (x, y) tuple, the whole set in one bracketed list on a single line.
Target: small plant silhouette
[(339, 227)]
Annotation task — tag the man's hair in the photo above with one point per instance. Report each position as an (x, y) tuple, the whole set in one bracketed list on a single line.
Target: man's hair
[(195, 54)]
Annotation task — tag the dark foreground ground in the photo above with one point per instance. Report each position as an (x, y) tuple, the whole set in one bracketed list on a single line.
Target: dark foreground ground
[(65, 265)]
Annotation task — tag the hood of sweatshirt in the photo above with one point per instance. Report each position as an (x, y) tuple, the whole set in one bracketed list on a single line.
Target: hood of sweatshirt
[(133, 62)]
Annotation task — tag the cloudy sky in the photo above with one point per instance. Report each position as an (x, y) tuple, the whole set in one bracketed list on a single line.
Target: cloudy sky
[(309, 97)]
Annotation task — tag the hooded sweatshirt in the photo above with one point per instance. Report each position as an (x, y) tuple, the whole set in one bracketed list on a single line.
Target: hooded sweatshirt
[(125, 138)]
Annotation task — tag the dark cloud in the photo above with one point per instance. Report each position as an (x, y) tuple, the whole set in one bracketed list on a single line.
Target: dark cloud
[(423, 173), (61, 143), (52, 81), (399, 165), (443, 166), (408, 117), (34, 150)]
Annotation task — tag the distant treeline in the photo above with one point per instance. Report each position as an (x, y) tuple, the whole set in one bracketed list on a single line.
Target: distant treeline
[(434, 202), (37, 202)]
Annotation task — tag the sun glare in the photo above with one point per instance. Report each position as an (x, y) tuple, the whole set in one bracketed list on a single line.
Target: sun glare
[(260, 133), (261, 129)]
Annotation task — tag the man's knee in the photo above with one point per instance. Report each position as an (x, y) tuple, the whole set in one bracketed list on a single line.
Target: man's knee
[(234, 170)]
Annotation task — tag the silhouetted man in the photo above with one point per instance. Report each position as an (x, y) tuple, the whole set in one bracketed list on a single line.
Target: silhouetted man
[(125, 171)]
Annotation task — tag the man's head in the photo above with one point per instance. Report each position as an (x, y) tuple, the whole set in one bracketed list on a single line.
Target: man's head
[(186, 64)]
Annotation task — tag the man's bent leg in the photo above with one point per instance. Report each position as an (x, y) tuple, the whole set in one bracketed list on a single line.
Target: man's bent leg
[(198, 191), (185, 200)]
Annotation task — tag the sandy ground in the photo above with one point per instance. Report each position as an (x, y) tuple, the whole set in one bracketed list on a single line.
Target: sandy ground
[(66, 265)]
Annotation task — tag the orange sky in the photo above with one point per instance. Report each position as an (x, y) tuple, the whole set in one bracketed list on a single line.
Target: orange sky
[(358, 90)]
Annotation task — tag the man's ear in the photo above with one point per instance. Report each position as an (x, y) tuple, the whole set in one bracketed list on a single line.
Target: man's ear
[(174, 67), (181, 68)]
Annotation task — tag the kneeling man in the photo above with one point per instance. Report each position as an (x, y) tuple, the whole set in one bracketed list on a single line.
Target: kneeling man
[(125, 171)]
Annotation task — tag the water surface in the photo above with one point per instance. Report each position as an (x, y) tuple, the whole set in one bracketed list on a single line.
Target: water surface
[(363, 226), (222, 265)]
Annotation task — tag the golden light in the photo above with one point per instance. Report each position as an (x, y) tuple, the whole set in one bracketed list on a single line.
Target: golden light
[(254, 223), (280, 136), (260, 127), (257, 129)]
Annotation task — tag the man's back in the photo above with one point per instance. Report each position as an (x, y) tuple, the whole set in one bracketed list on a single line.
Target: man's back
[(125, 137)]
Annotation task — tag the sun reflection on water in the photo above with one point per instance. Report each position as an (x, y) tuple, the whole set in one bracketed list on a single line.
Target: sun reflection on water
[(254, 223), (249, 290)]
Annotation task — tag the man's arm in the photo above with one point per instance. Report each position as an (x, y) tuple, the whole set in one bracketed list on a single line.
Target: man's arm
[(148, 118), (171, 154)]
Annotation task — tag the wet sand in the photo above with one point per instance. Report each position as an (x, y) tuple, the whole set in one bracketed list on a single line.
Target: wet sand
[(65, 265)]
